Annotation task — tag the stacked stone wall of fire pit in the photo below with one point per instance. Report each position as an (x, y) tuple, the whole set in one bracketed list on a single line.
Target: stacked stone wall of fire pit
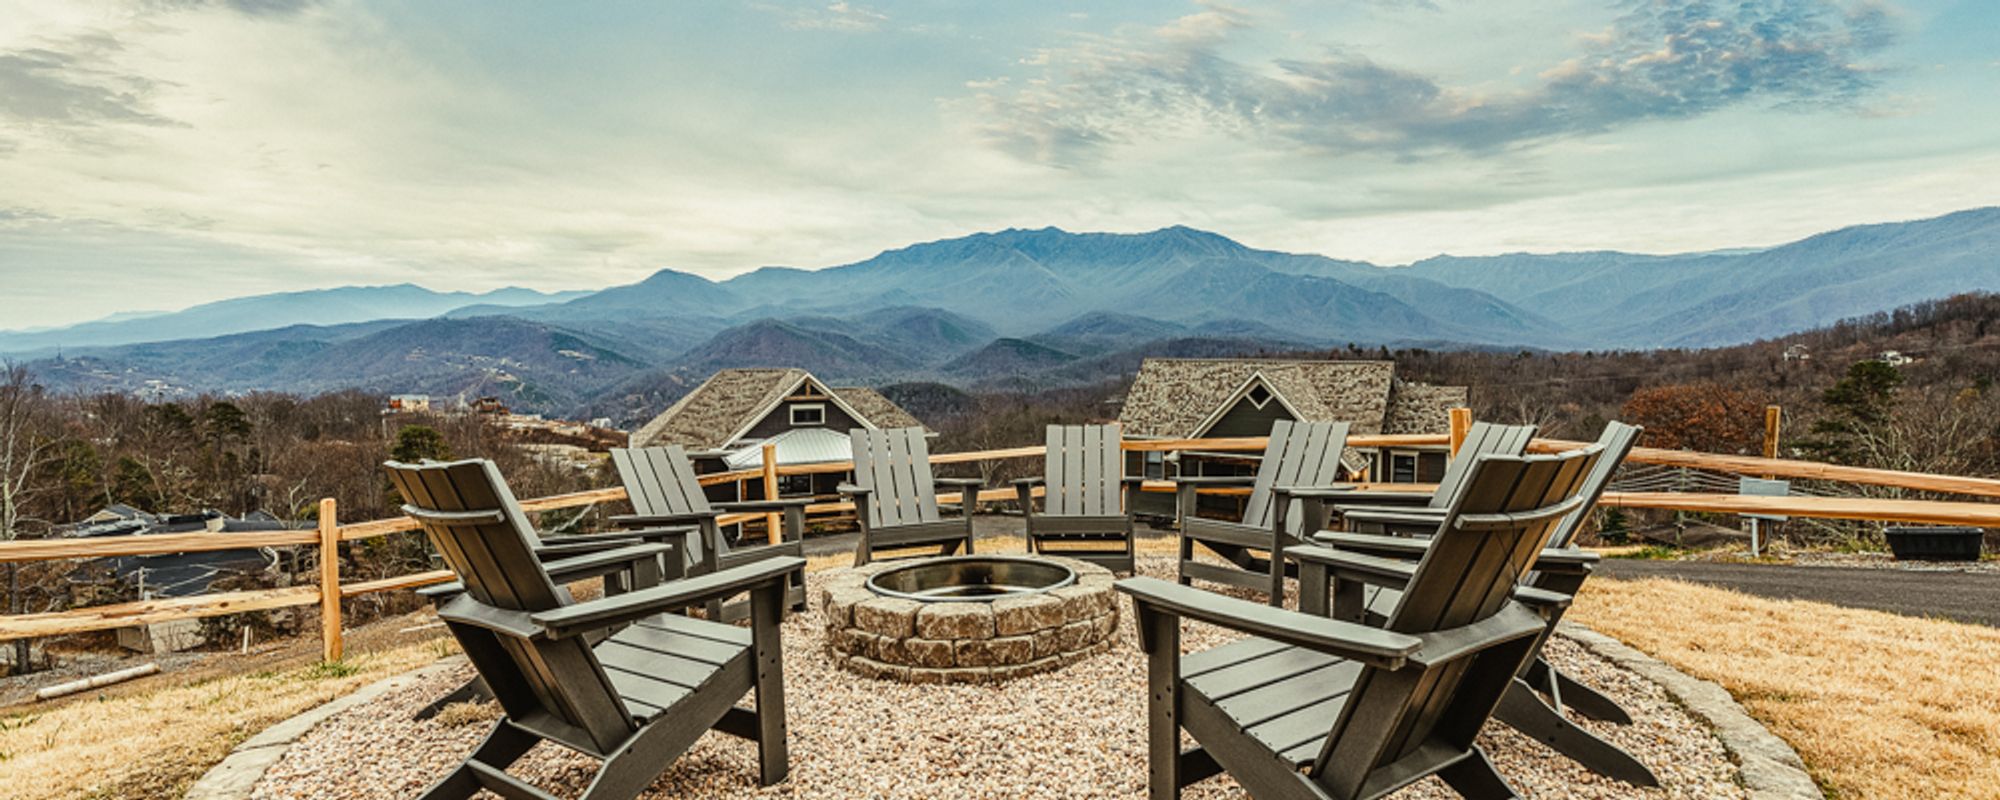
[(966, 641)]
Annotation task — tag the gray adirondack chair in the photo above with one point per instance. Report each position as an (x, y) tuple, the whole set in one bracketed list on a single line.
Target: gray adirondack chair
[(1299, 455), (1087, 501), (1378, 510), (664, 490), (1312, 707), (636, 699), (558, 554), (894, 494), (1536, 702)]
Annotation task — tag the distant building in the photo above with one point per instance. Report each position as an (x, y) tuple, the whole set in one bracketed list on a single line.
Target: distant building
[(1895, 358), (728, 418), (409, 403), (1798, 352), (489, 405), (1175, 398)]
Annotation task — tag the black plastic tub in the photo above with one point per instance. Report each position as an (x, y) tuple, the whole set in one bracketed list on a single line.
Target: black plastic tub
[(1935, 544)]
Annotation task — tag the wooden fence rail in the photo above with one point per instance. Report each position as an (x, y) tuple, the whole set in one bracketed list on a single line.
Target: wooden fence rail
[(329, 534)]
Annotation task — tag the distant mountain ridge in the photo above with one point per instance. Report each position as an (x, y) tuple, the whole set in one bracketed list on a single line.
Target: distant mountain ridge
[(337, 306), (1016, 309)]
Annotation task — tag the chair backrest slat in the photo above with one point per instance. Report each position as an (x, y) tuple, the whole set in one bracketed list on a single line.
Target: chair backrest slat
[(1481, 439), (1466, 575), (896, 464), (1618, 439), (494, 558), (659, 480), (1085, 470), (1298, 454)]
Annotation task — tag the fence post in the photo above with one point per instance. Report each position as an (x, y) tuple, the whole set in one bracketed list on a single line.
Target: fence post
[(771, 530), (329, 581), (1461, 424), (1774, 416)]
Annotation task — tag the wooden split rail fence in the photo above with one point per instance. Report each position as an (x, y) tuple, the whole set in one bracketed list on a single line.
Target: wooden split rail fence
[(327, 537)]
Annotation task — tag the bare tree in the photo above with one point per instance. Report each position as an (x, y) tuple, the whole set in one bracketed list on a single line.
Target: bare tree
[(25, 445)]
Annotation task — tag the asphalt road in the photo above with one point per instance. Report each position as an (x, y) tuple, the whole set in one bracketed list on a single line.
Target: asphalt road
[(1963, 596)]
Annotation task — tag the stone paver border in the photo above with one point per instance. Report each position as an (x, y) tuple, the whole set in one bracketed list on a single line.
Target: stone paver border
[(1770, 768)]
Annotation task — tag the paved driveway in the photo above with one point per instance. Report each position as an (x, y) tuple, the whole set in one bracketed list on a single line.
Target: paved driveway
[(1963, 596)]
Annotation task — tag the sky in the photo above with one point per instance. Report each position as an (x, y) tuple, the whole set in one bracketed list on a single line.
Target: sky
[(155, 154)]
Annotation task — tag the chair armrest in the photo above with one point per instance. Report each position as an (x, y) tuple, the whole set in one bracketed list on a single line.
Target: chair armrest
[(1335, 492), (641, 520), (1513, 621), (1572, 557), (958, 483), (604, 563), (1344, 639), (853, 490), (613, 610), (1034, 481), (778, 504), (1394, 573), (1134, 480), (1358, 495), (1541, 600), (1405, 517), (1215, 480), (1370, 544)]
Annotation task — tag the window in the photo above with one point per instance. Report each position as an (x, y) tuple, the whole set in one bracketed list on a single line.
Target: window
[(1156, 465), (1431, 466), (1402, 467), (794, 485), (809, 414), (1259, 395)]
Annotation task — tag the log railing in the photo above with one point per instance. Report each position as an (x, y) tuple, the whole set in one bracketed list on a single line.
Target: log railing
[(329, 534)]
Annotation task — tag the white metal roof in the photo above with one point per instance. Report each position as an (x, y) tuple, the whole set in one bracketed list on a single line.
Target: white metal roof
[(795, 446)]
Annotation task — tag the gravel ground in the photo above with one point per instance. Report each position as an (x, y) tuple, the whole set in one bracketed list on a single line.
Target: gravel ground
[(1076, 732)]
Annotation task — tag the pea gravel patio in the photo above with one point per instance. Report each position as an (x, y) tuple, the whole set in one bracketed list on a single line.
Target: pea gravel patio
[(1075, 732)]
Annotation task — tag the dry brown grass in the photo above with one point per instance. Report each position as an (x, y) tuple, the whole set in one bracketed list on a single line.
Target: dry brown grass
[(154, 742), (1878, 705)]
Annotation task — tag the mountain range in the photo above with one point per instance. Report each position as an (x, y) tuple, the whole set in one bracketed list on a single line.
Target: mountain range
[(1012, 309)]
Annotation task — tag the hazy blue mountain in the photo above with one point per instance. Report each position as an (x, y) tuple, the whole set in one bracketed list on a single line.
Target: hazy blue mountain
[(923, 335), (773, 343), (1005, 357), (268, 311), (1609, 299), (1104, 331), (531, 364), (1011, 309)]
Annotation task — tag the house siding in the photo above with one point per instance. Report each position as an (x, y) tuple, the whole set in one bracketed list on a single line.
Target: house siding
[(1246, 419), (780, 420)]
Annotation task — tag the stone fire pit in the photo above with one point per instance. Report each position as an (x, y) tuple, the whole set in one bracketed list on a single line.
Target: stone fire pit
[(967, 619)]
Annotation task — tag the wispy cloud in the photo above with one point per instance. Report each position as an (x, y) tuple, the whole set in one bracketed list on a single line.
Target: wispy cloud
[(70, 87), (836, 16), (1660, 60)]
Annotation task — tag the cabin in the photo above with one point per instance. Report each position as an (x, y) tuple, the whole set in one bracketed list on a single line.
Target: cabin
[(1192, 398), (725, 423)]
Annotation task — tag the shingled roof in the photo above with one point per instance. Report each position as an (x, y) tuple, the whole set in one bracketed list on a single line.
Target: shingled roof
[(1174, 398), (718, 411)]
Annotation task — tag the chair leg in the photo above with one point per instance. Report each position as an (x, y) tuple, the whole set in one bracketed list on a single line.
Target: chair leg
[(1187, 555), (1474, 778), (1523, 711), (504, 745), (1578, 697), (773, 751), (472, 691)]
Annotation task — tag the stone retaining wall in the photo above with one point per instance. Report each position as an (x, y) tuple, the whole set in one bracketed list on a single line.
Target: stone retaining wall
[(966, 642)]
